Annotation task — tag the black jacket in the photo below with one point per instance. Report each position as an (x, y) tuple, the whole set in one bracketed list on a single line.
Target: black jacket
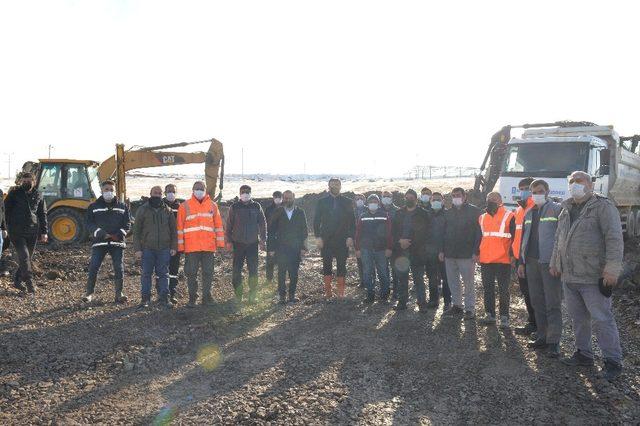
[(288, 234), (435, 236), (268, 215), (416, 232), (334, 225), (245, 223), (2, 224), (462, 232), (108, 218), (373, 231), (25, 212), (173, 206)]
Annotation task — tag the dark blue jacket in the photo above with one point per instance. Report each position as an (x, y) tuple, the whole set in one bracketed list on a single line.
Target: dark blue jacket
[(108, 218), (373, 231)]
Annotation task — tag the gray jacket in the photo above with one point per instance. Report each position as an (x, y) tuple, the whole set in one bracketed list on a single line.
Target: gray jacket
[(547, 226), (593, 244)]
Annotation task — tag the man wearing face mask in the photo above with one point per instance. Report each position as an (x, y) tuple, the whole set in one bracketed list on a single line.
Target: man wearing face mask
[(268, 214), (173, 204), (390, 209), (410, 228), (524, 204), (287, 238), (334, 226), (200, 234), (155, 241), (498, 229), (538, 235), (108, 221), (587, 255), (246, 231), (26, 221), (436, 272), (359, 208), (425, 198), (462, 237), (373, 242)]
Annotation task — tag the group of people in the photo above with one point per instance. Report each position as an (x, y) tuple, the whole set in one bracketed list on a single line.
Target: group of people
[(571, 251)]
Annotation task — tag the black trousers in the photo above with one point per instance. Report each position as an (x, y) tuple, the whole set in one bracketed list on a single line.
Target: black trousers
[(24, 245), (241, 253), (490, 273), (340, 253), (524, 289), (271, 262), (288, 260)]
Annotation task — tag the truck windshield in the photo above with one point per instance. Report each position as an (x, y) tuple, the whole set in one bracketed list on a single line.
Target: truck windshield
[(546, 159)]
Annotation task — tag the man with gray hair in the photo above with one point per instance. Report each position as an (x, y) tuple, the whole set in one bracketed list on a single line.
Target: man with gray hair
[(587, 255)]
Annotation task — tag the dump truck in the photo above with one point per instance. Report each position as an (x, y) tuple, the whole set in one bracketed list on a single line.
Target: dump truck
[(551, 151), (69, 186)]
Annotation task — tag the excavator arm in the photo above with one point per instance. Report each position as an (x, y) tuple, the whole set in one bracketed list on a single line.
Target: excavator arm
[(117, 165)]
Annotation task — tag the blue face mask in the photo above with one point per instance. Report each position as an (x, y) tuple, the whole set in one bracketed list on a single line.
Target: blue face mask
[(524, 195), (436, 205)]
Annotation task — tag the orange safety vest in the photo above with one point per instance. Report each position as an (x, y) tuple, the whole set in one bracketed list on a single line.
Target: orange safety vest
[(496, 238), (199, 226), (520, 214)]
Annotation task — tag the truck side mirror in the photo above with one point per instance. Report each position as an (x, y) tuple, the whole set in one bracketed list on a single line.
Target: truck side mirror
[(605, 160)]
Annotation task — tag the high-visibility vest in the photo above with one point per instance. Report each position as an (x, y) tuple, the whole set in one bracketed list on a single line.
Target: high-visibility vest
[(519, 218), (199, 225), (496, 238)]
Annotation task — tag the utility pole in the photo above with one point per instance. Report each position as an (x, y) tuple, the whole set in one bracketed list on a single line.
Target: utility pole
[(50, 147), (242, 162), (9, 154)]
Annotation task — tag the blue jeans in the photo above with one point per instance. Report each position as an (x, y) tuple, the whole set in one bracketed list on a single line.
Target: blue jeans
[(372, 262), (158, 261), (98, 254)]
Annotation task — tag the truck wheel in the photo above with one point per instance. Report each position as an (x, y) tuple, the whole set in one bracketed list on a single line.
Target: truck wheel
[(66, 226)]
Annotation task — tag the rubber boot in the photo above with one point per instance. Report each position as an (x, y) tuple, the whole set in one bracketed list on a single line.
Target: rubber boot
[(341, 284), (120, 297), (91, 285), (328, 293)]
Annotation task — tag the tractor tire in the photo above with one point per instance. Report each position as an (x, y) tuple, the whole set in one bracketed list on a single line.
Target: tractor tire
[(66, 226)]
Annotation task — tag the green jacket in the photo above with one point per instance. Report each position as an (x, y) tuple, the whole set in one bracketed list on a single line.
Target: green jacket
[(155, 228), (591, 245)]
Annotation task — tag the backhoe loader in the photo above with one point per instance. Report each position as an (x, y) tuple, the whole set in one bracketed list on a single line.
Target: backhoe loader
[(69, 186)]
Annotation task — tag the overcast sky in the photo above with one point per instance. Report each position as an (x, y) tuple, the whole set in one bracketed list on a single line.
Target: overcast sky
[(323, 87)]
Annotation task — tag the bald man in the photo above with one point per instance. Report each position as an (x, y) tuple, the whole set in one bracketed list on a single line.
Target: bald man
[(587, 256), (155, 240)]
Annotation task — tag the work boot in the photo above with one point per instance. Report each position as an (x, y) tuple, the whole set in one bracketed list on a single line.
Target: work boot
[(369, 299), (164, 301), (192, 302), (30, 287), (341, 286), (207, 301), (611, 370), (144, 303), (527, 330), (400, 306), (578, 360), (453, 311), (488, 319), (173, 296), (432, 304), (87, 298), (469, 315), (282, 300), (328, 292), (423, 308), (504, 321), (537, 344), (120, 297), (553, 350), (293, 299)]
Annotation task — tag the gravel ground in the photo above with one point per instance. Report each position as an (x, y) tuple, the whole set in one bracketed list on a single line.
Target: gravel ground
[(63, 362)]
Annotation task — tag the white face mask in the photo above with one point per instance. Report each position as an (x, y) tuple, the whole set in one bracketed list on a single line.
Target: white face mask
[(278, 201), (539, 199), (373, 207), (436, 205), (386, 201), (245, 197), (425, 198), (577, 190), (456, 201), (171, 196), (108, 195), (199, 194), (360, 203)]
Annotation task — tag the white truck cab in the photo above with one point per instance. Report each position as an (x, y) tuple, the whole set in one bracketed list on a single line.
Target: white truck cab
[(553, 154)]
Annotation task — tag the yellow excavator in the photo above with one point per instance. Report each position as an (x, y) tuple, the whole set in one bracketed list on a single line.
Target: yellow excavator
[(69, 186)]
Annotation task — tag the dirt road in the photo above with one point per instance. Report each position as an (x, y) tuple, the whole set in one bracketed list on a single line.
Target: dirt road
[(63, 362)]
